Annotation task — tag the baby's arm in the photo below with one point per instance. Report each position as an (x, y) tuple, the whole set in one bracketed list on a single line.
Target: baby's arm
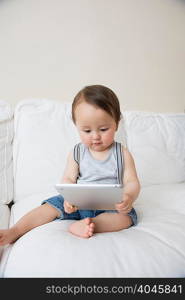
[(71, 170), (70, 176), (130, 182)]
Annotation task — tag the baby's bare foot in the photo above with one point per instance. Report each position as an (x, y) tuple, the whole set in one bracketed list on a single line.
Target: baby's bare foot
[(7, 236), (83, 228)]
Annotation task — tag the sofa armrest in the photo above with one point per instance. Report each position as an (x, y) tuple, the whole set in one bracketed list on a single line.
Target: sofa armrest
[(4, 219), (4, 216)]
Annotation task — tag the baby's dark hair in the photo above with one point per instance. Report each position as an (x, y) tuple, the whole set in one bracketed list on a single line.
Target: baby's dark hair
[(99, 96)]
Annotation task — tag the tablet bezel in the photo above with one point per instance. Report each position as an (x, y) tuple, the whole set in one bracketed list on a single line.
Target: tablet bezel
[(104, 196)]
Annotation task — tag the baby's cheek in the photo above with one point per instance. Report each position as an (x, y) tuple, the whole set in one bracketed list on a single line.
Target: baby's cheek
[(85, 140), (108, 140)]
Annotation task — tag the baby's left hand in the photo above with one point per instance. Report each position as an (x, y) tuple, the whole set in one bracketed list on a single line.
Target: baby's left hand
[(126, 205)]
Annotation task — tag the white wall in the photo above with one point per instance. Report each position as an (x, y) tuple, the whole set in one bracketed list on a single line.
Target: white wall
[(52, 48)]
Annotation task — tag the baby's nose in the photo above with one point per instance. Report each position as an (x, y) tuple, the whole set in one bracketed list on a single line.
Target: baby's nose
[(96, 135)]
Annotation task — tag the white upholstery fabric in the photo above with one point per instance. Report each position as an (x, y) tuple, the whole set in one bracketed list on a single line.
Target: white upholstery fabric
[(44, 134), (154, 248), (4, 220), (157, 142), (6, 162), (4, 216)]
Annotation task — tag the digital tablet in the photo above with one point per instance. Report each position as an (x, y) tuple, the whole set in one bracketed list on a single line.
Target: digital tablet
[(91, 196)]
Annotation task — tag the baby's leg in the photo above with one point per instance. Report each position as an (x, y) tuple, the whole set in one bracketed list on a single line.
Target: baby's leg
[(36, 217), (109, 222), (105, 222)]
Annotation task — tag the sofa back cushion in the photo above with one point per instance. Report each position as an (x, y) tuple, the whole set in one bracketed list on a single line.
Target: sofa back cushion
[(44, 134), (6, 162), (157, 143)]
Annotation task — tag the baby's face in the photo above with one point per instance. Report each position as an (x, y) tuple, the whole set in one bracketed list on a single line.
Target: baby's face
[(95, 126)]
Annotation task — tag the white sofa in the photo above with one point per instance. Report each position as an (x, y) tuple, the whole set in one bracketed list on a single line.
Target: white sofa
[(42, 133)]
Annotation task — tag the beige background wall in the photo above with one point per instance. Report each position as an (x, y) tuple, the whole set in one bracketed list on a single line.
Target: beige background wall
[(52, 48)]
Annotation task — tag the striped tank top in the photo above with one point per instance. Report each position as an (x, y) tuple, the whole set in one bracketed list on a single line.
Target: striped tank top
[(93, 171)]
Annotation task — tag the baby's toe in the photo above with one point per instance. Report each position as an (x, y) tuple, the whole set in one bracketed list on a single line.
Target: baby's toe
[(91, 229), (87, 221), (91, 226)]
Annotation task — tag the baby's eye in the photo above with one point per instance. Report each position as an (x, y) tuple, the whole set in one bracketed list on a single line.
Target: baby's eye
[(87, 131), (103, 129)]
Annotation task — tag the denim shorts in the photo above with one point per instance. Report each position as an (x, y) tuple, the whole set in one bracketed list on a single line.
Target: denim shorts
[(58, 203)]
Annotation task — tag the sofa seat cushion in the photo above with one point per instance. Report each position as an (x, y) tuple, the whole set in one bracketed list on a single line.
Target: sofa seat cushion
[(153, 248)]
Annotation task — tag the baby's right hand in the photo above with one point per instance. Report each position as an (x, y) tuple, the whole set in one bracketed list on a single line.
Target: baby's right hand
[(68, 208)]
